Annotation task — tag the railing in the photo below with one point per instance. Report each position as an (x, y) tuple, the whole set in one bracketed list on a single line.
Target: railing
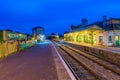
[(12, 47)]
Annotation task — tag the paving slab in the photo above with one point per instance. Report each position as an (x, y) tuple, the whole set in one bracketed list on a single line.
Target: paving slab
[(36, 63)]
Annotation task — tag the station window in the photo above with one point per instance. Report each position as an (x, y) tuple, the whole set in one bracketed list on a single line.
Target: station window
[(100, 38), (109, 39)]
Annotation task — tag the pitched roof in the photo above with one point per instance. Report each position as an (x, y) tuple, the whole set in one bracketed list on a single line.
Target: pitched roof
[(98, 24), (114, 18), (113, 27), (76, 27), (66, 32)]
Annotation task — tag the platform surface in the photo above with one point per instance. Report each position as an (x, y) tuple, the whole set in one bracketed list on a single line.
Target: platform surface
[(37, 63), (107, 48)]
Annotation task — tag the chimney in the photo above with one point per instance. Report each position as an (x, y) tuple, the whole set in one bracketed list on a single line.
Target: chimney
[(104, 21), (84, 22)]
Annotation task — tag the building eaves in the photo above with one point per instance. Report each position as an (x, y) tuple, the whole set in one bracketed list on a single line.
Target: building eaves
[(113, 27), (114, 19), (99, 24)]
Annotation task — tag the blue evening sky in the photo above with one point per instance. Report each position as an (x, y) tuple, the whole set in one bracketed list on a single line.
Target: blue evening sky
[(54, 15)]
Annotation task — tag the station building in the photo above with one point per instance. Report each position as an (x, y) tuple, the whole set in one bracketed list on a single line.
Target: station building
[(104, 33)]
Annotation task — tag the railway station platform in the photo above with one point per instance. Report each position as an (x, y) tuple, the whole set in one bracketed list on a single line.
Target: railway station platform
[(112, 49), (40, 62)]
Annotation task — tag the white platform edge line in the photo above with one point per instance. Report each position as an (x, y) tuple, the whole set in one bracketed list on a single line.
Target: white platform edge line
[(65, 65)]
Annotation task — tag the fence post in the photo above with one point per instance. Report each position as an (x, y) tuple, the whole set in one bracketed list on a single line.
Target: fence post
[(6, 46)]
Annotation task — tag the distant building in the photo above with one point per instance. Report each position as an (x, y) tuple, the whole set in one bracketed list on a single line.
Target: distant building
[(9, 35), (53, 36), (38, 33), (105, 32)]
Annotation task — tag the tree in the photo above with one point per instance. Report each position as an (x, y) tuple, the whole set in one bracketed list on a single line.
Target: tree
[(52, 33)]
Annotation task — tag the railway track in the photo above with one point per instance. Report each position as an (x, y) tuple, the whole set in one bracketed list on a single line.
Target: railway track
[(101, 69), (108, 65), (95, 52), (79, 71)]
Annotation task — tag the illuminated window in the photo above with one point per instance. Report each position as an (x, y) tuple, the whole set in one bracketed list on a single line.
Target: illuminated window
[(100, 38), (109, 39), (116, 37), (117, 40)]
